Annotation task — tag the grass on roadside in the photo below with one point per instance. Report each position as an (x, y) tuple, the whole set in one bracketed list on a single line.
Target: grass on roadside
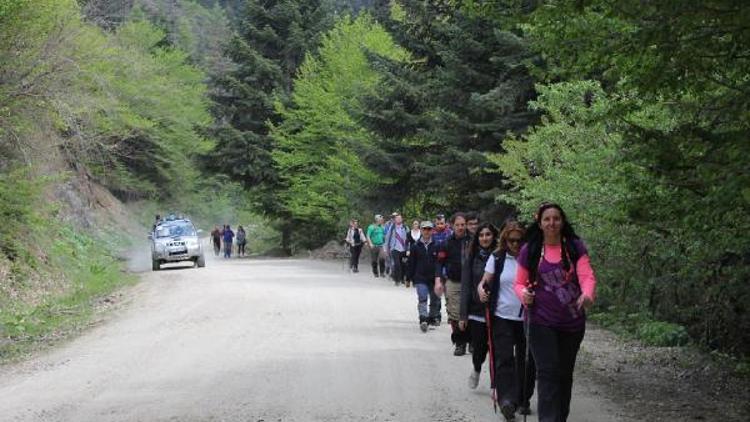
[(83, 271), (51, 274)]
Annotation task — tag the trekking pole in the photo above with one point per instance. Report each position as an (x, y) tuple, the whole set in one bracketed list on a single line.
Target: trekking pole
[(491, 349), (527, 353)]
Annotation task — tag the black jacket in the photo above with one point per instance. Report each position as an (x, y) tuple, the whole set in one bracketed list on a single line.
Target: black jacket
[(451, 256), (423, 263), (471, 275)]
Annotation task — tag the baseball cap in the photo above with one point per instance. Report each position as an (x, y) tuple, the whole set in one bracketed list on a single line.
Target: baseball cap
[(427, 224)]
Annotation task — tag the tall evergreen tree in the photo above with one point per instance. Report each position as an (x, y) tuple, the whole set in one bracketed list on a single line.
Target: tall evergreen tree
[(272, 41), (440, 114)]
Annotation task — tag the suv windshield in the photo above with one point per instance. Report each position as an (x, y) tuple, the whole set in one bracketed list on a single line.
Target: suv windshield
[(173, 230)]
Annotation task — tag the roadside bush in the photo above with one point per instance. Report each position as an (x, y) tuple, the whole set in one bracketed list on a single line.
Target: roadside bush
[(659, 333), (16, 213)]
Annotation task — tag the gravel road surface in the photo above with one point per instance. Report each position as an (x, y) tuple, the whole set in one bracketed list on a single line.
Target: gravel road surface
[(261, 340)]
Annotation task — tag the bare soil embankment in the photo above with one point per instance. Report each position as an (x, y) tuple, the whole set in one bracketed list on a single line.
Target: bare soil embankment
[(664, 383)]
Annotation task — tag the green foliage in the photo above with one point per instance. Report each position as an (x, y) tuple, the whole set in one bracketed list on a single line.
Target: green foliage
[(91, 272), (56, 271), (656, 179), (202, 31), (438, 114), (29, 62), (273, 38), (133, 111), (659, 333), (573, 157), (122, 107), (16, 212), (743, 368), (642, 326), (319, 144), (272, 43)]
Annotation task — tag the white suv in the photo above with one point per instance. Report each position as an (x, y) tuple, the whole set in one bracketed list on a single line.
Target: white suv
[(175, 241)]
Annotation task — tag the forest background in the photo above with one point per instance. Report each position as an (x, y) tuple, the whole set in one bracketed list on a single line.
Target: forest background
[(294, 116)]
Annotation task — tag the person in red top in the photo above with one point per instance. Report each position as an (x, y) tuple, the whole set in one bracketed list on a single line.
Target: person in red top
[(556, 284)]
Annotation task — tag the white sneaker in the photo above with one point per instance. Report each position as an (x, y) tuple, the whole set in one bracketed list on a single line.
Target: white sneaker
[(473, 380)]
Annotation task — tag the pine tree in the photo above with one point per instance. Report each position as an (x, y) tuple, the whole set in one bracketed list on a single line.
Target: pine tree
[(439, 115), (273, 38)]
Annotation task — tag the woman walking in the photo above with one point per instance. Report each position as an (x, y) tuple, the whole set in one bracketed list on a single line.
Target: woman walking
[(241, 241), (412, 237), (508, 339), (472, 312), (556, 283), (355, 238)]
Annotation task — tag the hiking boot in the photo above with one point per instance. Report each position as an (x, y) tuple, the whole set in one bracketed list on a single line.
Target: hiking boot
[(460, 350), (508, 410), (408, 284), (435, 322), (524, 409), (423, 326), (473, 380)]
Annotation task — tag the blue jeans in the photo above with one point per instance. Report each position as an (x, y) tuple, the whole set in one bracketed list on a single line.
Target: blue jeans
[(425, 293), (227, 249)]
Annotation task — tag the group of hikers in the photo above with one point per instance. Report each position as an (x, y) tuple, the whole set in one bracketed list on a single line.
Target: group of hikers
[(518, 294), (224, 238)]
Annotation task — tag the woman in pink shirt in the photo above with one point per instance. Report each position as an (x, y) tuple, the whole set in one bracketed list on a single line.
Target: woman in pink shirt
[(556, 284)]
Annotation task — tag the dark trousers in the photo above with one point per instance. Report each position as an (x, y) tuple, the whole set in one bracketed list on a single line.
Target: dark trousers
[(479, 343), (241, 248), (354, 260), (217, 247), (555, 354), (378, 262), (509, 345), (458, 337), (397, 269)]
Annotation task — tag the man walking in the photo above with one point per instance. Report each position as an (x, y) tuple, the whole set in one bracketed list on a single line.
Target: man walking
[(472, 222), (422, 272), (216, 240), (395, 246), (386, 231), (441, 232), (228, 240), (376, 238), (450, 261)]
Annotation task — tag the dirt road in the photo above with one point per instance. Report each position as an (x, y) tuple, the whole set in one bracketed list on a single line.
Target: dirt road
[(260, 340)]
